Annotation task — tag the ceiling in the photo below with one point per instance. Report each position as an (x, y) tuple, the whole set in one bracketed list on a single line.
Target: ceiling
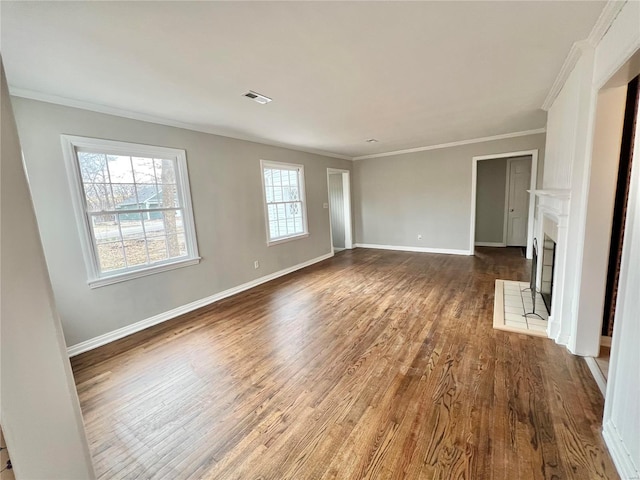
[(409, 74)]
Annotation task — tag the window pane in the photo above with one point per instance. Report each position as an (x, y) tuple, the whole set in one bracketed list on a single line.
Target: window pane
[(143, 170), (148, 196), (93, 167), (277, 194), (131, 225), (120, 169), (173, 227), (157, 248), (182, 244), (167, 196), (124, 196), (268, 190), (291, 194), (285, 177), (165, 171), (111, 256), (105, 228), (154, 224), (268, 176), (277, 179), (135, 252), (273, 213), (98, 197)]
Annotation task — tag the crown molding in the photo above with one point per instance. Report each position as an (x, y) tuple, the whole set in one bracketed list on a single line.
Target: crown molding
[(603, 23), (605, 20), (119, 112), (454, 144)]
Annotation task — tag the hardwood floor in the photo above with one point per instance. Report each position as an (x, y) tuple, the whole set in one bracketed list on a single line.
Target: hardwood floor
[(373, 364)]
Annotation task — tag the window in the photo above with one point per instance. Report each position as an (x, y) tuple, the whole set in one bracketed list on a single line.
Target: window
[(133, 208), (285, 207)]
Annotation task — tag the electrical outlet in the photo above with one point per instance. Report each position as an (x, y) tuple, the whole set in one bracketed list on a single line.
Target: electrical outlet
[(419, 236), (325, 205), (256, 264)]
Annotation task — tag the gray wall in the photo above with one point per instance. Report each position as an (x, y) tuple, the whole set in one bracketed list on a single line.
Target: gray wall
[(336, 209), (428, 193), (228, 208), (40, 411), (490, 200)]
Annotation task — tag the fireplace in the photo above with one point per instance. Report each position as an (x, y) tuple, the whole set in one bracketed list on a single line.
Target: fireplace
[(548, 263)]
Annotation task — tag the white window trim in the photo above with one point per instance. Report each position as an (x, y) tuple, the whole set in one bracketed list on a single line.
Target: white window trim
[(281, 165), (87, 242)]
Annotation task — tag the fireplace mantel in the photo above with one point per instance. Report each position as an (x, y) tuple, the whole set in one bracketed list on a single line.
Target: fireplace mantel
[(553, 203), (552, 192)]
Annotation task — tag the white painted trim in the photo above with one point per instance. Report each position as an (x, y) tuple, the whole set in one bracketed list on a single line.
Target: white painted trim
[(569, 64), (445, 251), (95, 278), (619, 453), (163, 317), (491, 244), (144, 272), (603, 23), (455, 144), (532, 200), (284, 166), (597, 374), (143, 117)]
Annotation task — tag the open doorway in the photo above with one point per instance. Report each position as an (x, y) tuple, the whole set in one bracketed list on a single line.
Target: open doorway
[(339, 186), (502, 206), (616, 121)]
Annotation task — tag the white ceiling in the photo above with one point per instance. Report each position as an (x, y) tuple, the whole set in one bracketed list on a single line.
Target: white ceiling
[(408, 74)]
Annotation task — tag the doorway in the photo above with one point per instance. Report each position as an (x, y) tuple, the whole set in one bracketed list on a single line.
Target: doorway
[(339, 189), (501, 204)]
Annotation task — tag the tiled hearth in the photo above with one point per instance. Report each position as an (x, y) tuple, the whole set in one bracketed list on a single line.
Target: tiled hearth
[(513, 309)]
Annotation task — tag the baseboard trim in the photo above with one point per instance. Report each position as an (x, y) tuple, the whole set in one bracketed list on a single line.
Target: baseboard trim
[(619, 453), (490, 244), (597, 374), (446, 251), (189, 307)]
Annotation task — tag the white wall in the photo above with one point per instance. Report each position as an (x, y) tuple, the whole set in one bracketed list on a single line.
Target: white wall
[(428, 193), (228, 208), (570, 142), (40, 411)]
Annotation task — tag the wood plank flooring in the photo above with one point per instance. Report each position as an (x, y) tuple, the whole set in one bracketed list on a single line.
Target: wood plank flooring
[(370, 365)]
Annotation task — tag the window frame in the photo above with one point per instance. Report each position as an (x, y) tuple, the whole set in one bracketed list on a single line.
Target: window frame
[(303, 199), (96, 278)]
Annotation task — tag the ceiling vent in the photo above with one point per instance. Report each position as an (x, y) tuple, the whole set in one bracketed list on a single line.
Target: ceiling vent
[(256, 97)]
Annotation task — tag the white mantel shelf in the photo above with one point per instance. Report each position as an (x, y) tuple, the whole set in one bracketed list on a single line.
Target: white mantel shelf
[(552, 192)]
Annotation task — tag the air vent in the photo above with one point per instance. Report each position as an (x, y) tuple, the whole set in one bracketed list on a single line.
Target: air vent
[(256, 97)]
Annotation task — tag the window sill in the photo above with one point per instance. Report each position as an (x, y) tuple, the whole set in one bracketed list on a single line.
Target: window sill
[(123, 277), (270, 243)]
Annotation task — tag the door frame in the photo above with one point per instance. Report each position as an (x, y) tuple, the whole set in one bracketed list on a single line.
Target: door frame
[(346, 196), (532, 200)]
